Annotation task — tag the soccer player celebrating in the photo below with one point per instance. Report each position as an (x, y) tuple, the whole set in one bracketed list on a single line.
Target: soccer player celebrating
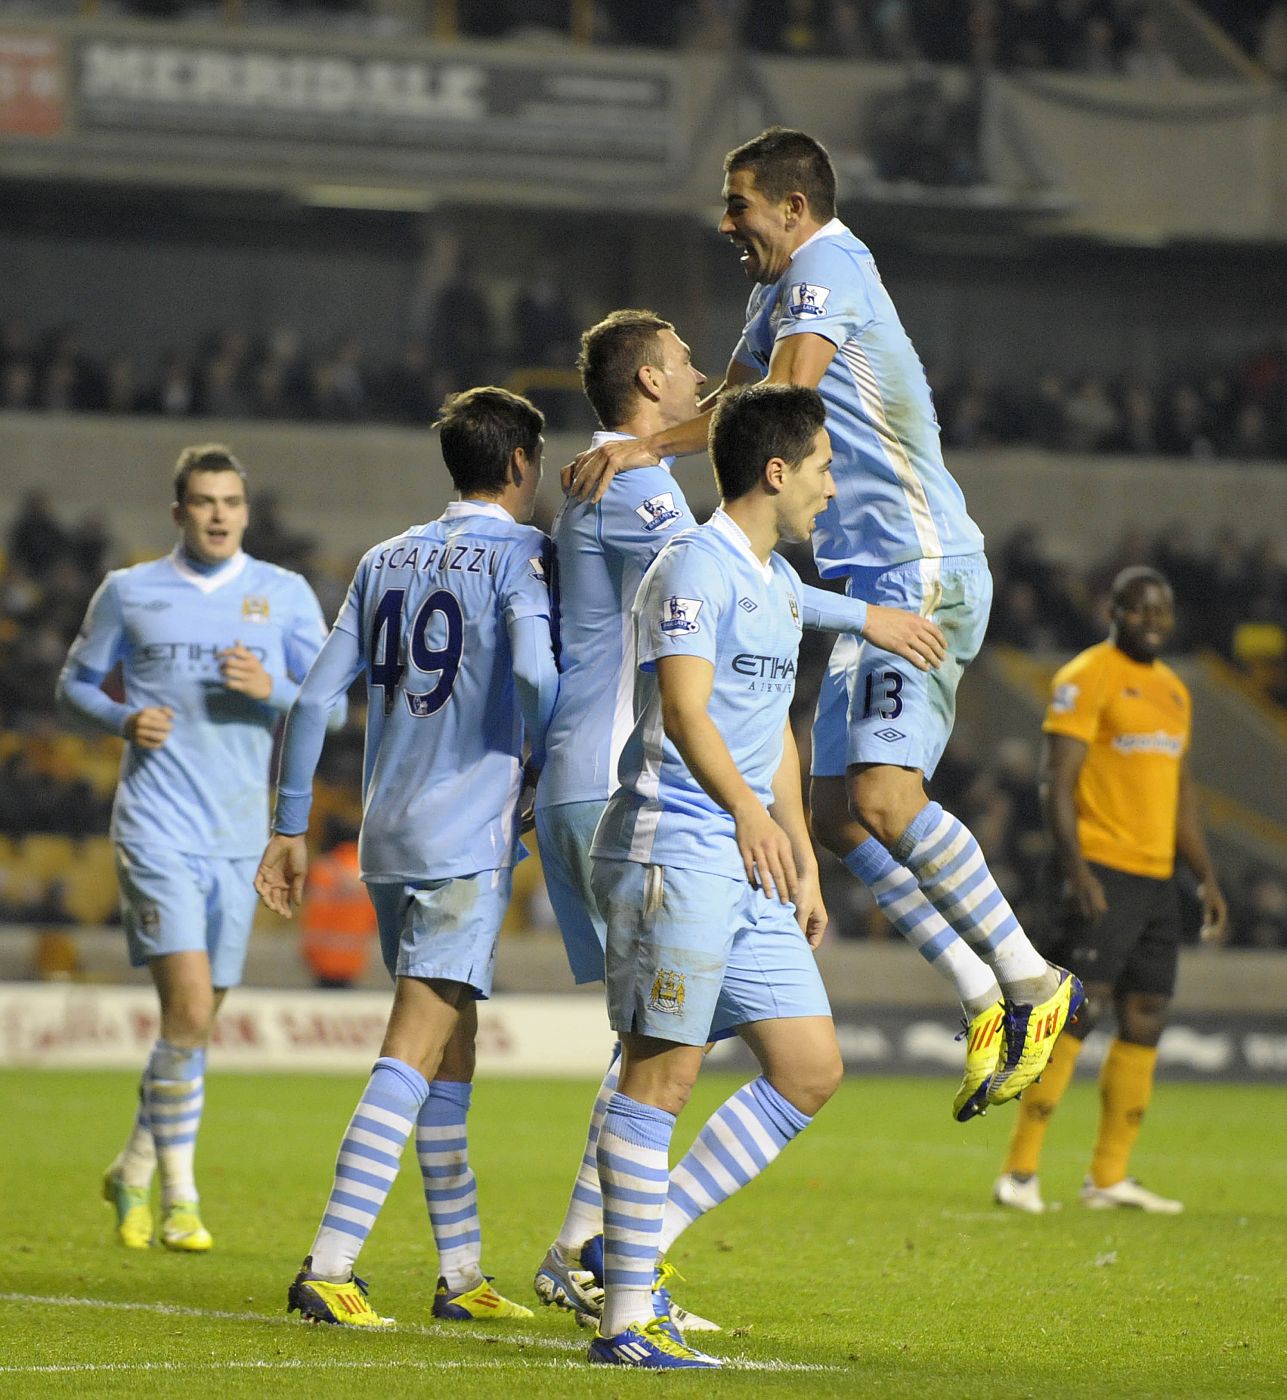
[(211, 644), (898, 533), (639, 376), (451, 623), (1120, 806), (703, 864)]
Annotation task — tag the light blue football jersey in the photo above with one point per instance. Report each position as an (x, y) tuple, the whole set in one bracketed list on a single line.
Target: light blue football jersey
[(206, 791), (428, 612), (895, 499), (603, 552), (707, 595)]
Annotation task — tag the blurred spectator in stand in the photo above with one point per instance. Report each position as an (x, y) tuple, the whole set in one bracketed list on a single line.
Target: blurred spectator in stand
[(461, 337), (1095, 52), (1091, 419), (405, 394), (1185, 429), (37, 542), (919, 134), (120, 393), (1145, 54), (172, 393), (1139, 419), (267, 537)]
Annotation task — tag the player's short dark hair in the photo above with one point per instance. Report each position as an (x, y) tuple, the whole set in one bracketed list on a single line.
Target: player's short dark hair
[(204, 457), (783, 161), (612, 354), (754, 424), (480, 429), (1134, 579)]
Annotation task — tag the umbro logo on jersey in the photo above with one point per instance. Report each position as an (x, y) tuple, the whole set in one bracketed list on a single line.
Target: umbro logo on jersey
[(746, 605), (658, 511), (890, 736), (808, 299)]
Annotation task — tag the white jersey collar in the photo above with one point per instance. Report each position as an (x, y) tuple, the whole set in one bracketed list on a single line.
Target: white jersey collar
[(601, 437), (736, 536), (456, 509), (208, 583), (833, 228)]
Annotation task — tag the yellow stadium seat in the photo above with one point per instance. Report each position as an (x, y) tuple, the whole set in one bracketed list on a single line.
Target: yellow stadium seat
[(45, 857)]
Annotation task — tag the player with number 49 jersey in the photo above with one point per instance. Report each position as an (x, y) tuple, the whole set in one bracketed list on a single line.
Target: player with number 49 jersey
[(426, 616)]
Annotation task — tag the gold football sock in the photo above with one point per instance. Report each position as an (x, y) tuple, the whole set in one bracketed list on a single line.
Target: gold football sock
[(1038, 1104), (1125, 1088)]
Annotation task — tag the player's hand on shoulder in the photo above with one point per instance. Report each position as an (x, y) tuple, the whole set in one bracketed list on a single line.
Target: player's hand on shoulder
[(810, 911), (149, 728), (279, 881), (243, 672), (1215, 913), (589, 474), (766, 853), (916, 639)]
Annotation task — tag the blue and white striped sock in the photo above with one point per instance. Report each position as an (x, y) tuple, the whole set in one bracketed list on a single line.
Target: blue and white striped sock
[(585, 1210), (952, 873), (136, 1162), (451, 1190), (633, 1153), (900, 899), (367, 1164), (739, 1140), (174, 1096)]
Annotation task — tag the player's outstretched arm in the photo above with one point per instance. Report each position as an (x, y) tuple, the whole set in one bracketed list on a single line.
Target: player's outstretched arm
[(283, 868), (1064, 757), (916, 639), (788, 812), (1191, 847), (686, 683)]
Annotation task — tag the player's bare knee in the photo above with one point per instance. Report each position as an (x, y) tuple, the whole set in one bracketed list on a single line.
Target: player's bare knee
[(1142, 1017), (808, 1087)]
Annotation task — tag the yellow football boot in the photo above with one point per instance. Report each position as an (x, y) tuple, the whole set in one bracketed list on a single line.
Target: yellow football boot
[(473, 1304), (182, 1230), (983, 1042), (343, 1304), (133, 1211), (1029, 1034)]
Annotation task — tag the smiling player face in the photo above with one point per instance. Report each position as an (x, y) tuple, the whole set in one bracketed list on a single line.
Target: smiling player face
[(677, 380), (1143, 620), (212, 516), (806, 491), (764, 231)]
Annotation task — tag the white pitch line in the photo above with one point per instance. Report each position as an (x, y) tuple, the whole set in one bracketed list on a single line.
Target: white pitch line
[(454, 1331)]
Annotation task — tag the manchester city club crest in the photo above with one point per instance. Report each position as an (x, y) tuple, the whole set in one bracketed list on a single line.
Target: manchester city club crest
[(254, 608), (667, 993)]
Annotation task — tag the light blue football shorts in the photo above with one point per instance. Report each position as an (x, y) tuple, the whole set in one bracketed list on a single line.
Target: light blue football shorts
[(693, 956), (173, 902), (874, 707), (564, 834), (443, 930)]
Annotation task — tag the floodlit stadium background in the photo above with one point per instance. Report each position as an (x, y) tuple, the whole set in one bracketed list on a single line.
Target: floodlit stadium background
[(294, 228)]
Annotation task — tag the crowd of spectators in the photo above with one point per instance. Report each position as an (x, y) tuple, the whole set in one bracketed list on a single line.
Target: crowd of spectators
[(1230, 410), (229, 373), (1236, 410), (1090, 36)]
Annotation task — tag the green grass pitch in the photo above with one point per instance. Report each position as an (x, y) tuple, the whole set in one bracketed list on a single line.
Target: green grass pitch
[(867, 1262)]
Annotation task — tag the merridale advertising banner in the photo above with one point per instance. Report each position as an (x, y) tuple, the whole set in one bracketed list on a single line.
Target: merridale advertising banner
[(484, 108)]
